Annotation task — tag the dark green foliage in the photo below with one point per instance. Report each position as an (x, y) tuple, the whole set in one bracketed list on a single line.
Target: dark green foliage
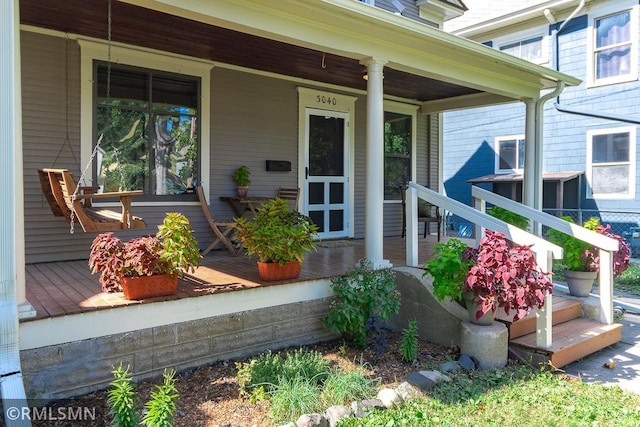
[(449, 267), (122, 399), (509, 217), (629, 281), (241, 176), (409, 342), (362, 294), (161, 407), (263, 374)]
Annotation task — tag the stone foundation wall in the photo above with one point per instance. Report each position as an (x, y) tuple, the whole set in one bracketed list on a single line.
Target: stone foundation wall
[(75, 368)]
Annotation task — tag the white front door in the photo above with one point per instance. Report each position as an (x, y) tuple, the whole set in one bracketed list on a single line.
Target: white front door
[(327, 172)]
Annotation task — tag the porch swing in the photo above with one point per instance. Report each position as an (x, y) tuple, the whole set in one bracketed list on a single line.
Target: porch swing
[(67, 199)]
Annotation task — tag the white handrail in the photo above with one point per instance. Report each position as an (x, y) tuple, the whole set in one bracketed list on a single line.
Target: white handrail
[(544, 251)]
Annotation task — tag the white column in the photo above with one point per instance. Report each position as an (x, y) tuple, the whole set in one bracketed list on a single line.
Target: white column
[(528, 185), (374, 205)]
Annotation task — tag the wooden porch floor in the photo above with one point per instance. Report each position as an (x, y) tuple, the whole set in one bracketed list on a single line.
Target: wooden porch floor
[(67, 288)]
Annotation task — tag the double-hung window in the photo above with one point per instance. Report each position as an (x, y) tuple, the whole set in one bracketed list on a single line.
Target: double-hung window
[(614, 48), (530, 49), (399, 148), (149, 127), (509, 154), (148, 112), (611, 163)]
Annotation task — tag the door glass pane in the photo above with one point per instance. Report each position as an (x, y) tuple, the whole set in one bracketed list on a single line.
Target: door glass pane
[(318, 219), (326, 146), (336, 192), (336, 220), (316, 193)]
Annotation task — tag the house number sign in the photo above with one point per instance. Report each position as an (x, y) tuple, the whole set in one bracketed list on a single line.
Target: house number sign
[(326, 100)]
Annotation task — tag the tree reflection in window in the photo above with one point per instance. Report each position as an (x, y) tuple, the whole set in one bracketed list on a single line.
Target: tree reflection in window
[(397, 153), (149, 122)]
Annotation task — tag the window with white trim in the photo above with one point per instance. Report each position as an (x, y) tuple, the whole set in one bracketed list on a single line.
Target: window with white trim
[(613, 46), (531, 45), (155, 121), (509, 154), (611, 163)]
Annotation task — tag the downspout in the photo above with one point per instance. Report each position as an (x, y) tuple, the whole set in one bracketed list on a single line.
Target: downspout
[(11, 385), (556, 66)]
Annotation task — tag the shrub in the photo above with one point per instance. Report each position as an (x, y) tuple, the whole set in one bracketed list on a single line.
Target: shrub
[(629, 281), (409, 342), (362, 294), (509, 217), (449, 267)]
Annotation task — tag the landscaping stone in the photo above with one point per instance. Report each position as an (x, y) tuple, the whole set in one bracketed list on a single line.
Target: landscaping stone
[(289, 425), (312, 420), (435, 376), (489, 344), (420, 381), (362, 408), (336, 413), (389, 398), (408, 391), (450, 367), (467, 363)]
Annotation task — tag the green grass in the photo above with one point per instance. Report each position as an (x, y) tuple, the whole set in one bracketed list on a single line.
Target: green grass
[(512, 396), (629, 281)]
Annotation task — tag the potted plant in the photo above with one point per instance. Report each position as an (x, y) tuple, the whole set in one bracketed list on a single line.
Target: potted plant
[(581, 260), (496, 274), (241, 177), (505, 275), (146, 266), (279, 237)]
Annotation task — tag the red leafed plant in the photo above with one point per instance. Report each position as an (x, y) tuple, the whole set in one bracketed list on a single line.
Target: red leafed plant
[(173, 250), (506, 276)]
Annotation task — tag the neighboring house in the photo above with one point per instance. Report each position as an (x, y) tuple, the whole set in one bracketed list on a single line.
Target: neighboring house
[(590, 134), (185, 92)]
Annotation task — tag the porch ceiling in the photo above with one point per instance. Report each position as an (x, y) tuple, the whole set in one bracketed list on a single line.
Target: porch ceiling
[(275, 37)]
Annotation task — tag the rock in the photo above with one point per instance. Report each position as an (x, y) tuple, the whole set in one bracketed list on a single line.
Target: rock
[(389, 398), (467, 363), (362, 408), (312, 420), (408, 391), (420, 381), (435, 376), (336, 413), (288, 425), (450, 367)]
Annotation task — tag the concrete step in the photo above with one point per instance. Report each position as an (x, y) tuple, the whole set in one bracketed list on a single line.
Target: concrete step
[(564, 309), (572, 340)]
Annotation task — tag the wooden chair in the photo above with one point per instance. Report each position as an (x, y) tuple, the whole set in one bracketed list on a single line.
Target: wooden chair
[(220, 229), (425, 215), (292, 194), (59, 186)]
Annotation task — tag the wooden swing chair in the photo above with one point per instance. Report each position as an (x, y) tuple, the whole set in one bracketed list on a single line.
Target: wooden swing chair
[(67, 199)]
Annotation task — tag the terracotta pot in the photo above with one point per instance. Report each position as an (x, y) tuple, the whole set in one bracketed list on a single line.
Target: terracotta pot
[(273, 271), (580, 282), (471, 302), (148, 286), (242, 191)]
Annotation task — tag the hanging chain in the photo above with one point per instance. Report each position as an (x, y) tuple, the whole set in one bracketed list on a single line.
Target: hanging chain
[(74, 196)]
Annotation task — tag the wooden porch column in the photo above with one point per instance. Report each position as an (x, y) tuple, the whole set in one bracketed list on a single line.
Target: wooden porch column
[(374, 205)]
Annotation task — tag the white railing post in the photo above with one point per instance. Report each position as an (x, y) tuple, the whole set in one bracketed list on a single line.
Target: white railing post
[(544, 315), (411, 197), (606, 286), (481, 205)]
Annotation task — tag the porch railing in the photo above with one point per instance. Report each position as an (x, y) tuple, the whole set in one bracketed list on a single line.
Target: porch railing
[(544, 251), (606, 246)]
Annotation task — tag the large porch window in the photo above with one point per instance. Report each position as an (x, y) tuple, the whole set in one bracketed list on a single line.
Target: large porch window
[(611, 163), (149, 122)]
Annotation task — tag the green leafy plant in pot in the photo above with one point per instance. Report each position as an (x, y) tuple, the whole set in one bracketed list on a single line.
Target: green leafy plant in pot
[(242, 178), (449, 267), (157, 260), (581, 260), (278, 236)]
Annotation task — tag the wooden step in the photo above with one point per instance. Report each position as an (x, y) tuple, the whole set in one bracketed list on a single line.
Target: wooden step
[(564, 309), (571, 340)]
